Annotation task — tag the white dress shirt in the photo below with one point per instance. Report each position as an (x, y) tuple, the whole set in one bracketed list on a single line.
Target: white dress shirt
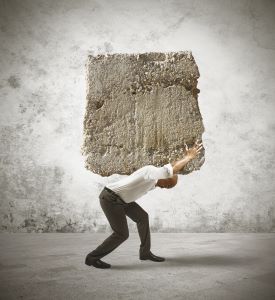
[(140, 182)]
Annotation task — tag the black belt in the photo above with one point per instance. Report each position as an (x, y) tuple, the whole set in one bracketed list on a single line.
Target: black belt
[(115, 195)]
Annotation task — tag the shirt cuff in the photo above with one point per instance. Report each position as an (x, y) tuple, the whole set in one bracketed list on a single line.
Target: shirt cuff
[(169, 170)]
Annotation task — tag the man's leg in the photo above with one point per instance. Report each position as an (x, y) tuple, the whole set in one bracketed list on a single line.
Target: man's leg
[(116, 216), (140, 216)]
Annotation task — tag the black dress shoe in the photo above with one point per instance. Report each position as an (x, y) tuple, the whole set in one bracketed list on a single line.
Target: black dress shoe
[(97, 263), (152, 257)]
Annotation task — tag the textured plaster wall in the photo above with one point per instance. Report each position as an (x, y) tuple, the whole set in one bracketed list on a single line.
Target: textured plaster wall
[(43, 49)]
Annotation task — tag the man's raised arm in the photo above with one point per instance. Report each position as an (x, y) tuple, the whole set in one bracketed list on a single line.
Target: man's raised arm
[(189, 155)]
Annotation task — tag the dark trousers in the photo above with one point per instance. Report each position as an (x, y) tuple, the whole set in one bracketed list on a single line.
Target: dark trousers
[(116, 210)]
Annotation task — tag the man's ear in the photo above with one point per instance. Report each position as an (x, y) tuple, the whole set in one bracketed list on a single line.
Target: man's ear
[(175, 179)]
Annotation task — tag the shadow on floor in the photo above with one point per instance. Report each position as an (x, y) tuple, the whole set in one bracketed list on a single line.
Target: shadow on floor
[(195, 260), (211, 260)]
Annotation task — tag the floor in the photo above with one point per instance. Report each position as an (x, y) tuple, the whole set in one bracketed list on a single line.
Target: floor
[(197, 266)]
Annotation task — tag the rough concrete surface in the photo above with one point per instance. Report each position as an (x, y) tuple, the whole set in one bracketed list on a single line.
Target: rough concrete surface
[(141, 109), (197, 266)]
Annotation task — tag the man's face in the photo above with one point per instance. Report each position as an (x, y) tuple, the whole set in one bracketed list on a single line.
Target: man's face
[(167, 183)]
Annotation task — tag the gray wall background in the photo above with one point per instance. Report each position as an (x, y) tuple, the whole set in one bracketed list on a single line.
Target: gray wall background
[(44, 47)]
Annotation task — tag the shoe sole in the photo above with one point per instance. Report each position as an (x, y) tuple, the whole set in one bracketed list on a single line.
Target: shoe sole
[(91, 264), (152, 259), (101, 267)]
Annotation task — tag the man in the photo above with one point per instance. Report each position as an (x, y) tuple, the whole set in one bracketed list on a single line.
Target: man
[(117, 200)]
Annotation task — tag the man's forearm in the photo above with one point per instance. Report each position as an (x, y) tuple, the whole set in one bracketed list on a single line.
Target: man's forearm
[(180, 164)]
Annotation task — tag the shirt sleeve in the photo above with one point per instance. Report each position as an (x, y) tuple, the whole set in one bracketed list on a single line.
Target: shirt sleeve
[(160, 172)]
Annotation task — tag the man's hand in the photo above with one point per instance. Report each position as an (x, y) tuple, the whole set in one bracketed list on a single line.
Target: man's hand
[(189, 155), (194, 151)]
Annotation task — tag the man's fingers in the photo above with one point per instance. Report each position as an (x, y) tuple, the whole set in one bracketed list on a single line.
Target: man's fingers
[(198, 146), (197, 142), (199, 149)]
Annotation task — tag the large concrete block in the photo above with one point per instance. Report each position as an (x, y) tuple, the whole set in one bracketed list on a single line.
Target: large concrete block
[(141, 108)]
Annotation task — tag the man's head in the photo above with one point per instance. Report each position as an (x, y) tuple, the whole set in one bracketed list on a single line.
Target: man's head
[(167, 183)]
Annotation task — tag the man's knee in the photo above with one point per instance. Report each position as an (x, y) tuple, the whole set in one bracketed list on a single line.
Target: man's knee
[(123, 236)]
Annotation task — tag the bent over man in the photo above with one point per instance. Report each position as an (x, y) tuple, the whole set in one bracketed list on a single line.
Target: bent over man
[(117, 201)]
